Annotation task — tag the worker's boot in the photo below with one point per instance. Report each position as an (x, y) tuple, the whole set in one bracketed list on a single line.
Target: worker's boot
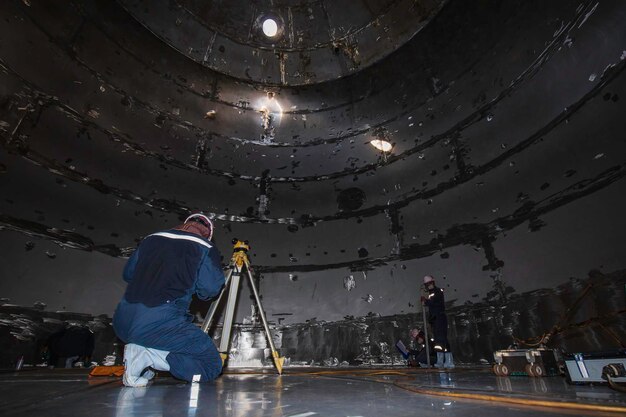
[(439, 363), (159, 359), (449, 361), (157, 362), (136, 360), (148, 374)]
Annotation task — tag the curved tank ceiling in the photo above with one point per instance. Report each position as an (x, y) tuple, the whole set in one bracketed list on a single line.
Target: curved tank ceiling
[(313, 41), (505, 120)]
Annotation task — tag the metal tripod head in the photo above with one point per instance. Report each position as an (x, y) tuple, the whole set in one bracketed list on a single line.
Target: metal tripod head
[(240, 255)]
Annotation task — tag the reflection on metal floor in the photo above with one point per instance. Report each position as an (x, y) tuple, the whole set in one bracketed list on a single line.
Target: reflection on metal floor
[(305, 392)]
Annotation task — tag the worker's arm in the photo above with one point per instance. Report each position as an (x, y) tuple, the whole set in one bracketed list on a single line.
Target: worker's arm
[(435, 300), (210, 276), (129, 269)]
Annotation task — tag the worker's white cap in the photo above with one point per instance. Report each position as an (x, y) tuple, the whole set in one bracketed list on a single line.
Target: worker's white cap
[(428, 279), (204, 220)]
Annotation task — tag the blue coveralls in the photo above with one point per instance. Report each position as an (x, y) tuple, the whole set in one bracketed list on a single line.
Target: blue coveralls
[(438, 319), (162, 274)]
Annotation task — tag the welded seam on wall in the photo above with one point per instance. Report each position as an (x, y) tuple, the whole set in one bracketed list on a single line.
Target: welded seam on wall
[(457, 235), (64, 238)]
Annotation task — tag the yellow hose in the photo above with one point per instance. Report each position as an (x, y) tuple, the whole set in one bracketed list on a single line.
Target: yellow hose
[(516, 401), (564, 405)]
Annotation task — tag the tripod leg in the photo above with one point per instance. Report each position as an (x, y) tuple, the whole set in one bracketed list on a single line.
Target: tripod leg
[(278, 361), (230, 311), (208, 320), (426, 335)]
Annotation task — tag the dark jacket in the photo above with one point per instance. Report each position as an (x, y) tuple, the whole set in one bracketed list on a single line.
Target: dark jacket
[(435, 303), (171, 266)]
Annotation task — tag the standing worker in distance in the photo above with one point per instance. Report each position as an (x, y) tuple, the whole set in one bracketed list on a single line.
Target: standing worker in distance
[(153, 318), (438, 321)]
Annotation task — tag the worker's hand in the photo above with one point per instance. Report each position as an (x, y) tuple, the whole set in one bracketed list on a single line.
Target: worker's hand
[(422, 299)]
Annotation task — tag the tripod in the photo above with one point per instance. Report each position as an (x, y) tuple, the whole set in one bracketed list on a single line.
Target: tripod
[(239, 264)]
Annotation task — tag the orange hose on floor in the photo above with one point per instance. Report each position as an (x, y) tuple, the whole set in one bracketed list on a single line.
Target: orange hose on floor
[(515, 401), (564, 405)]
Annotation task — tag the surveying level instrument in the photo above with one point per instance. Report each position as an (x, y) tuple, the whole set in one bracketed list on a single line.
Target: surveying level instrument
[(239, 264)]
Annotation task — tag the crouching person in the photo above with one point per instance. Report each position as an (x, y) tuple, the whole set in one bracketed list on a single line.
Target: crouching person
[(153, 318), (419, 356)]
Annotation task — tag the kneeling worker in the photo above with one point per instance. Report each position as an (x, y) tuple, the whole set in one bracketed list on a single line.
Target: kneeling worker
[(163, 273)]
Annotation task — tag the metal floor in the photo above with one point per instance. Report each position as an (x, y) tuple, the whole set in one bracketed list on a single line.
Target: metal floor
[(304, 392)]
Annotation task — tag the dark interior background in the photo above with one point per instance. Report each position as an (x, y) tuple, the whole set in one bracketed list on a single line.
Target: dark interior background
[(505, 181)]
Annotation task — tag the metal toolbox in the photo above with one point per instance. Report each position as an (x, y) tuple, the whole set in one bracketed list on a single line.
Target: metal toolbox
[(586, 368), (528, 362)]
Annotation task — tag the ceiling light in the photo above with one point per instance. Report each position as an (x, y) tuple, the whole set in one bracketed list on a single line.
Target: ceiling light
[(271, 115), (381, 145), (270, 104), (270, 28)]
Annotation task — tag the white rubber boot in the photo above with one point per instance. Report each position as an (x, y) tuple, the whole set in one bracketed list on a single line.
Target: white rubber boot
[(148, 374), (159, 359), (158, 362), (136, 360), (439, 363), (449, 362)]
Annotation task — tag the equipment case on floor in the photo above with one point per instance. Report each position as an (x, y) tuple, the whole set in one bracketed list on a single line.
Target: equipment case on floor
[(530, 362), (586, 368)]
